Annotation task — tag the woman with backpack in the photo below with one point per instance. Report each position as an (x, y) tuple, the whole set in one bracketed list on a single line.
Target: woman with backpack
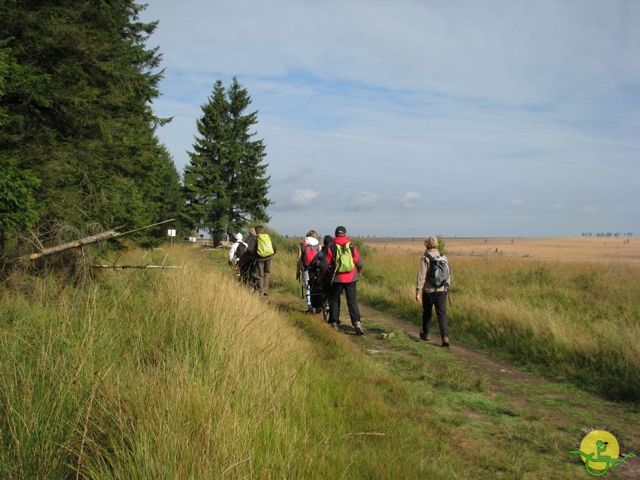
[(432, 286), (236, 251), (306, 268)]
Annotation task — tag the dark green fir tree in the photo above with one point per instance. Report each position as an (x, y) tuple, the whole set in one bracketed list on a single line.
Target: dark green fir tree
[(225, 182), (78, 125)]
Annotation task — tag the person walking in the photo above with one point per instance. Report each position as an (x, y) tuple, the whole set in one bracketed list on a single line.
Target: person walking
[(262, 249), (432, 286), (324, 278), (307, 255), (237, 250), (343, 263), (246, 263)]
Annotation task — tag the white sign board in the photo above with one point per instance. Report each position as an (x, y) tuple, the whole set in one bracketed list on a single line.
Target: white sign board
[(171, 232)]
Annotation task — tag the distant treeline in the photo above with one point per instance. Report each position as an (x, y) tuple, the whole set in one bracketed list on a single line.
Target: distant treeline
[(607, 234)]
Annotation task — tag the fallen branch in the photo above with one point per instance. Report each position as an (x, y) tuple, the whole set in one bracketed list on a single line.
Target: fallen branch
[(136, 266), (90, 239)]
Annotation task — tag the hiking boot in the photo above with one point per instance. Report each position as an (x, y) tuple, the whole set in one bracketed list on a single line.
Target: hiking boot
[(424, 336), (445, 341), (358, 328)]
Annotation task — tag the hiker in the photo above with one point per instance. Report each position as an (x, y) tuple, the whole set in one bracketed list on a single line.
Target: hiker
[(324, 278), (236, 251), (246, 263), (262, 249), (432, 285), (306, 269), (343, 263)]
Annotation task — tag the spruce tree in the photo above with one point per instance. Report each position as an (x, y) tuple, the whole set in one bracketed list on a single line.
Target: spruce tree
[(78, 114), (18, 207), (225, 182)]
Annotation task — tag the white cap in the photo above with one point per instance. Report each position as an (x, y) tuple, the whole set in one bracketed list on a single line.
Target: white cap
[(238, 236)]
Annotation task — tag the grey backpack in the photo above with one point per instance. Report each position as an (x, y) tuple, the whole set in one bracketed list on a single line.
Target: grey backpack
[(438, 274)]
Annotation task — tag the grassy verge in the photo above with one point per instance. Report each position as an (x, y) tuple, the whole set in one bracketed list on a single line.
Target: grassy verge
[(171, 375), (573, 321)]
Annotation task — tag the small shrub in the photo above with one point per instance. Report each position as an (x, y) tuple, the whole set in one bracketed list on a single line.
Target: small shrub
[(587, 281), (540, 275)]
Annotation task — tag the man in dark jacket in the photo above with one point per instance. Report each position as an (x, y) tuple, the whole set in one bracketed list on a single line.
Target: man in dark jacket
[(343, 263)]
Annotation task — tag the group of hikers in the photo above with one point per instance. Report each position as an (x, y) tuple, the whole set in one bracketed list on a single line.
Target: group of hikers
[(325, 271)]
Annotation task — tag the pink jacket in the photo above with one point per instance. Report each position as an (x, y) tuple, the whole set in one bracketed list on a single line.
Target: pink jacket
[(329, 260)]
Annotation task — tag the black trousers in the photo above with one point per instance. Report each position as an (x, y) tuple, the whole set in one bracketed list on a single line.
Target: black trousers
[(438, 300), (352, 304)]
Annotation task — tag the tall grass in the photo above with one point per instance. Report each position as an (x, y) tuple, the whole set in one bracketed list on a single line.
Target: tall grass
[(162, 375), (182, 374), (577, 321)]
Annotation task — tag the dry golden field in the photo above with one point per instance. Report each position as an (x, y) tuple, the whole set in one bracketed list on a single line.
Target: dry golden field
[(619, 249)]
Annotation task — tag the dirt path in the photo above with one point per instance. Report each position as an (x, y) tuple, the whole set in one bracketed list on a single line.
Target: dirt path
[(479, 361), (563, 407)]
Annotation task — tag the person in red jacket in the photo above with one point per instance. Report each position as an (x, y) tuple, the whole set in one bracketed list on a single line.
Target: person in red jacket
[(343, 263)]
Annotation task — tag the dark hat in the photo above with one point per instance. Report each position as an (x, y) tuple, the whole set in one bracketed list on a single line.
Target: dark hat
[(341, 231), (327, 240)]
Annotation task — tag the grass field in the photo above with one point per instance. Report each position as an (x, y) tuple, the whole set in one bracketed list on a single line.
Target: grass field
[(578, 249), (575, 316), (183, 374)]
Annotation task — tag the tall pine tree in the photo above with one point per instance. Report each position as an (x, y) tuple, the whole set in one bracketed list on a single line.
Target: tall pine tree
[(78, 114), (225, 182)]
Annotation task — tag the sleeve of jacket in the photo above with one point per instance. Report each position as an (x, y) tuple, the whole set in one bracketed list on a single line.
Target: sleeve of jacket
[(232, 250), (299, 259), (421, 277), (357, 259)]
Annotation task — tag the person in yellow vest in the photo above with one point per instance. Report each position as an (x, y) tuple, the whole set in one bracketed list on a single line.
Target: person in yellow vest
[(262, 249)]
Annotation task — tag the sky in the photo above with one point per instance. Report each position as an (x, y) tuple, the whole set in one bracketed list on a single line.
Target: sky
[(420, 117)]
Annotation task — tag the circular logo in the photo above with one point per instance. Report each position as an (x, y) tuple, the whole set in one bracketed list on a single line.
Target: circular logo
[(600, 447), (600, 451)]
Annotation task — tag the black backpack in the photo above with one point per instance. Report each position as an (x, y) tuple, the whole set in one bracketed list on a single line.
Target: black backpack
[(438, 273), (240, 250)]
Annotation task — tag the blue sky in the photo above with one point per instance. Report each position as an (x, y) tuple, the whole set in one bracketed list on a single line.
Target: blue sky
[(409, 118)]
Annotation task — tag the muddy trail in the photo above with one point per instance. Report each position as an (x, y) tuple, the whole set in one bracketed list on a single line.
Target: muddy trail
[(559, 412)]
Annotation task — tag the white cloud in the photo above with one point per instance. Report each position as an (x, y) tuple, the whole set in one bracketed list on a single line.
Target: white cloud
[(304, 197), (365, 200), (297, 174), (556, 207), (410, 199)]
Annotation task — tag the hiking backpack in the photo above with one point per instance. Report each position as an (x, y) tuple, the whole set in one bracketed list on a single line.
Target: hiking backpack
[(309, 254), (264, 247), (438, 274), (240, 250), (344, 258)]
